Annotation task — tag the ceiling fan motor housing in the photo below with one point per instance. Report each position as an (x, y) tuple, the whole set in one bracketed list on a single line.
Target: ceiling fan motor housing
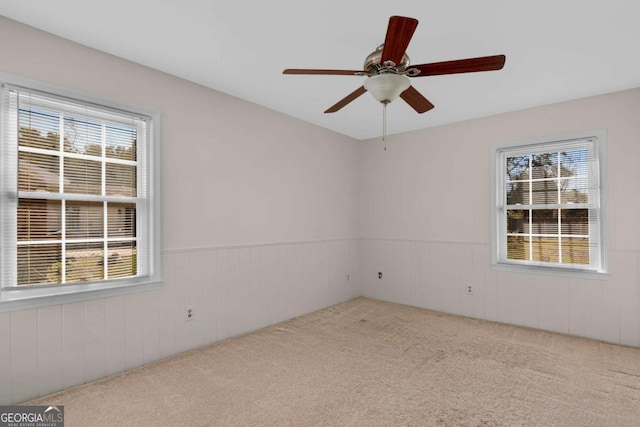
[(373, 66)]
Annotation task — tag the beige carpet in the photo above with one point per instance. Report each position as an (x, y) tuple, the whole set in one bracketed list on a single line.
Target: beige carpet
[(372, 363)]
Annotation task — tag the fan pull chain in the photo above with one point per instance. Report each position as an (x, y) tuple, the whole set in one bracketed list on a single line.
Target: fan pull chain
[(384, 124)]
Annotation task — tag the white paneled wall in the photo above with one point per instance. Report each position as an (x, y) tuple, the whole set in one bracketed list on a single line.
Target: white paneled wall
[(435, 275), (232, 290)]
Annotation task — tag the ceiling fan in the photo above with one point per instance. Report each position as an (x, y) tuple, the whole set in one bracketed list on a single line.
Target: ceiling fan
[(388, 69)]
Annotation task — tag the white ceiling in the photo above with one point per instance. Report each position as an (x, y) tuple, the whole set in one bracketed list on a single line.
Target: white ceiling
[(556, 50)]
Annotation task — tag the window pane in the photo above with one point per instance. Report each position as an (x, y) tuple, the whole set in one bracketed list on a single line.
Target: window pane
[(121, 219), (85, 262), (574, 190), (544, 165), (574, 163), (575, 250), (84, 220), (82, 136), (38, 172), (517, 248), (38, 130), (517, 168), (518, 193), (123, 259), (544, 249), (39, 219), (544, 192), (517, 221), (575, 221), (121, 143), (82, 176), (544, 221), (39, 264), (121, 180)]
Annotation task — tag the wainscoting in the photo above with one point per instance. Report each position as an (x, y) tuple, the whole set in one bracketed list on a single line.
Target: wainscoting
[(231, 290), (234, 290), (436, 275)]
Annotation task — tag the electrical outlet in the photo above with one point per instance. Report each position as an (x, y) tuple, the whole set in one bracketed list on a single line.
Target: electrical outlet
[(469, 290), (190, 313), (379, 274), (348, 277)]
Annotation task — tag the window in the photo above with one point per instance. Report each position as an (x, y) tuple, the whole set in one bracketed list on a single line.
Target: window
[(549, 204), (77, 211)]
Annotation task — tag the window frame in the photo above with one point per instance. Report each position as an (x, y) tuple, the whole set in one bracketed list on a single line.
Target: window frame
[(498, 208), (16, 298)]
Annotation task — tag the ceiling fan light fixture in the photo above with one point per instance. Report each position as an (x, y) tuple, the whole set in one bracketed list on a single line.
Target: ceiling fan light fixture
[(387, 87)]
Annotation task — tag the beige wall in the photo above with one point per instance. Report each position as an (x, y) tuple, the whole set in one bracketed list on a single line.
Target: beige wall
[(425, 220), (233, 172), (259, 224)]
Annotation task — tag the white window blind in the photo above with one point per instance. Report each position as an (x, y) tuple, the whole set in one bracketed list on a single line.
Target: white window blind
[(75, 191), (549, 205)]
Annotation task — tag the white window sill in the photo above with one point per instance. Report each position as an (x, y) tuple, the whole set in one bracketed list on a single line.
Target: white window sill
[(551, 271), (27, 298)]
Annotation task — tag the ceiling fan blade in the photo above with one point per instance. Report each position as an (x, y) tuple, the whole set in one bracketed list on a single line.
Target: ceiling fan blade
[(470, 65), (399, 33), (416, 100), (347, 99), (327, 72)]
